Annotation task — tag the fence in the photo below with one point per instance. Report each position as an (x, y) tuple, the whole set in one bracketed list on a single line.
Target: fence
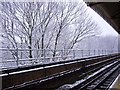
[(11, 58)]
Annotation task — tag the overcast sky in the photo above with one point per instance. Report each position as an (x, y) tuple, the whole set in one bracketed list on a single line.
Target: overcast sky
[(106, 29)]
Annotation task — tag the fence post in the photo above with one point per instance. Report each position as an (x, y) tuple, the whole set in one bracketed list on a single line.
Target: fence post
[(98, 52), (44, 54), (61, 54), (94, 52), (102, 52), (82, 52), (89, 52), (17, 61), (73, 54)]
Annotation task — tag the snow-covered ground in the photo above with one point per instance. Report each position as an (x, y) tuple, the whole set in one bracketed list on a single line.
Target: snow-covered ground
[(12, 63), (7, 61)]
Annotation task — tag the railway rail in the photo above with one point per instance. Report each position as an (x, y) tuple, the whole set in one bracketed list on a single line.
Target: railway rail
[(45, 76), (100, 80)]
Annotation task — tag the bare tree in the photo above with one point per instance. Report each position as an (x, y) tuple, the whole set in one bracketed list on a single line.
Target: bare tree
[(66, 14), (71, 14), (46, 25)]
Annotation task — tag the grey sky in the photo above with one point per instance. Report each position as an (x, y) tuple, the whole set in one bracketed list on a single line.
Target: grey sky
[(106, 29)]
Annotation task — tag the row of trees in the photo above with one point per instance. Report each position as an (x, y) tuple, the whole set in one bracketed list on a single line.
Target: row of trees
[(45, 25)]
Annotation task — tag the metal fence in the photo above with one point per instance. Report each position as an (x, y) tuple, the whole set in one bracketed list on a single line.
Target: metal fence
[(11, 58)]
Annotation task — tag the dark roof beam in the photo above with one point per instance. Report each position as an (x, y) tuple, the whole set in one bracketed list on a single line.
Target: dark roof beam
[(93, 4), (116, 16)]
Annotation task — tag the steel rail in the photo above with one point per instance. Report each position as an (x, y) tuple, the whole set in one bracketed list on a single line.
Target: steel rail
[(56, 76), (96, 79)]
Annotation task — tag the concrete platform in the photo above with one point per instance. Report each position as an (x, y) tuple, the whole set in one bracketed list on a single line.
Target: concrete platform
[(116, 84)]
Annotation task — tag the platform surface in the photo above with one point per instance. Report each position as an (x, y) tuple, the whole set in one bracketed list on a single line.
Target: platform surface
[(116, 84)]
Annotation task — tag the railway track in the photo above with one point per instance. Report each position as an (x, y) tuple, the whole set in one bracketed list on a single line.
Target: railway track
[(100, 80), (61, 73)]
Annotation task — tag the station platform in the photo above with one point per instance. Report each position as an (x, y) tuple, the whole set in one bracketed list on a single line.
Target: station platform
[(116, 84)]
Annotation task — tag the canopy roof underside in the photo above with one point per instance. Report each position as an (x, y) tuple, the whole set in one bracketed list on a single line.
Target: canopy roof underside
[(110, 11)]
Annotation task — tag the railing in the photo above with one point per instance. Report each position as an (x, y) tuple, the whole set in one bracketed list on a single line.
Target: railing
[(11, 58)]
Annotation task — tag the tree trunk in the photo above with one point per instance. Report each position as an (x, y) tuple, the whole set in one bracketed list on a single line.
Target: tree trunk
[(42, 45), (30, 46), (56, 42)]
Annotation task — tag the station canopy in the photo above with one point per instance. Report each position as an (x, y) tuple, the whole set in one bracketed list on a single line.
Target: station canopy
[(110, 11)]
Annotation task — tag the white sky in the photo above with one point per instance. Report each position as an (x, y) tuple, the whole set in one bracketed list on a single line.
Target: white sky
[(106, 29)]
